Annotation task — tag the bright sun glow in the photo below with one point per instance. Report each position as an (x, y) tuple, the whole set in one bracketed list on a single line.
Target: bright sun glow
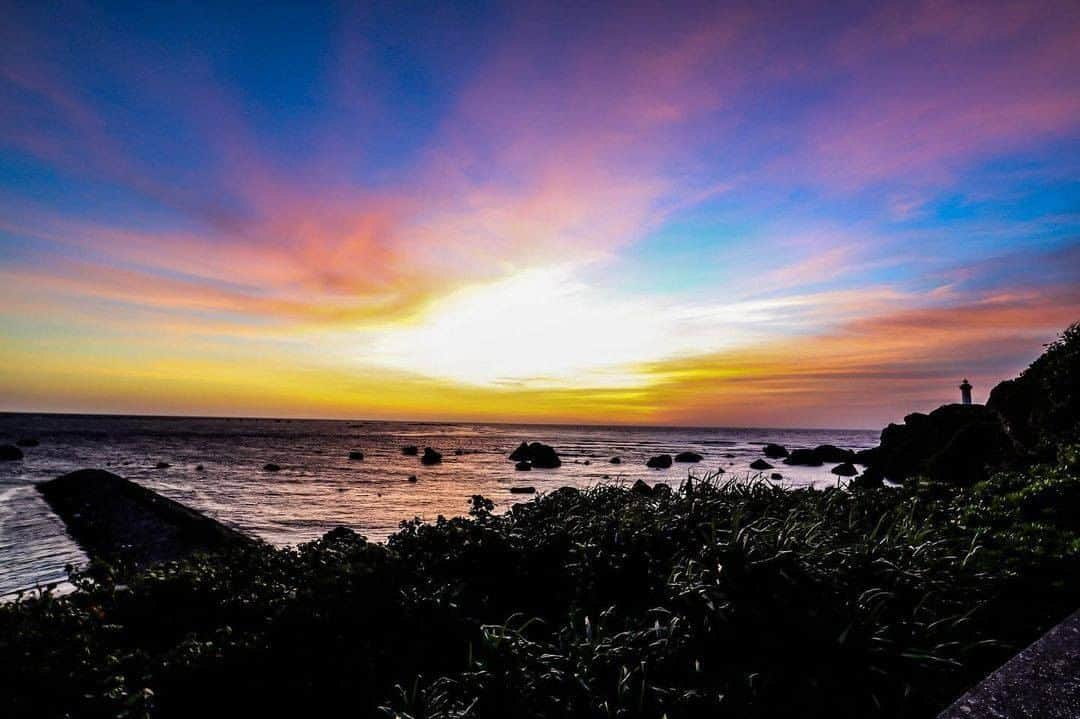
[(544, 328)]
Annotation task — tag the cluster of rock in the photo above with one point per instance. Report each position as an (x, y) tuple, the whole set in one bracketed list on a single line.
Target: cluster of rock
[(12, 453), (642, 488), (535, 454), (660, 461), (824, 453), (664, 461), (956, 443)]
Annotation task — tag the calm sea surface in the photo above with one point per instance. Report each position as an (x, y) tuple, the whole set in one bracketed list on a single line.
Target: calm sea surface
[(319, 488)]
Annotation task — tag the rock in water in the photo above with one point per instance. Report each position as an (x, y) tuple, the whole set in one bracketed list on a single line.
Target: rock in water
[(776, 475), (412, 477), (430, 456), (616, 460), (956, 443), (660, 461), (544, 456), (10, 453), (523, 490), (831, 453), (804, 457), (775, 451), (867, 480), (521, 454), (688, 457), (641, 487), (540, 455), (271, 467), (200, 468), (356, 454), (523, 466), (845, 470), (760, 464), (163, 465), (410, 450)]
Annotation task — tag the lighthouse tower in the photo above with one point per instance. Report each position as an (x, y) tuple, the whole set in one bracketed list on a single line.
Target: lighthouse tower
[(965, 392)]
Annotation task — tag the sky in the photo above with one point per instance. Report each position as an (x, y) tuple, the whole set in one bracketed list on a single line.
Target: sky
[(759, 214)]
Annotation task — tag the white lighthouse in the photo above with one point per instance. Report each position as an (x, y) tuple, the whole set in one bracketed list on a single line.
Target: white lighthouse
[(965, 392)]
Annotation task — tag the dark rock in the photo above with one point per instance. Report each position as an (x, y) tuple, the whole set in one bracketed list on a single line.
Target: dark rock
[(956, 444), (430, 456), (271, 467), (10, 453), (775, 451), (163, 465), (845, 470), (523, 466), (642, 487), (830, 453), (867, 456), (760, 464), (538, 454), (200, 468), (544, 456), (660, 461), (28, 442), (412, 477), (616, 460), (867, 480), (776, 475), (356, 454), (410, 450), (459, 451), (523, 490), (688, 457), (971, 454), (804, 457), (730, 455)]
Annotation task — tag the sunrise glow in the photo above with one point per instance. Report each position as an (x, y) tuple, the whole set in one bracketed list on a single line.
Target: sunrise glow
[(738, 215)]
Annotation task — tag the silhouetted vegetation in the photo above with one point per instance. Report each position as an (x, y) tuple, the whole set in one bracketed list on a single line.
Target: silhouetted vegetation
[(716, 598), (1041, 407)]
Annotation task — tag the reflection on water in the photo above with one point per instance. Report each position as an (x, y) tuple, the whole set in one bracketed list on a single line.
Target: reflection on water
[(319, 487)]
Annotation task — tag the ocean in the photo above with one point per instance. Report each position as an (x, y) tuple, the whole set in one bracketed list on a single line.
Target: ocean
[(319, 487)]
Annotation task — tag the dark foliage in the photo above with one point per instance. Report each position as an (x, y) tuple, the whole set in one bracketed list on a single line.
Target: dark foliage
[(715, 599), (1041, 407)]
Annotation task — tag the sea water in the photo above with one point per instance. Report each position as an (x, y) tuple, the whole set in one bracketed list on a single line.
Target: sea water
[(319, 487)]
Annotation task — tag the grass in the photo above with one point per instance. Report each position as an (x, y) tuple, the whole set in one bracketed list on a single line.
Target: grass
[(717, 598)]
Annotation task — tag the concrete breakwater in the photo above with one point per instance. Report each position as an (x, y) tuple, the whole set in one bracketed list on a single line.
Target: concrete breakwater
[(119, 521)]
